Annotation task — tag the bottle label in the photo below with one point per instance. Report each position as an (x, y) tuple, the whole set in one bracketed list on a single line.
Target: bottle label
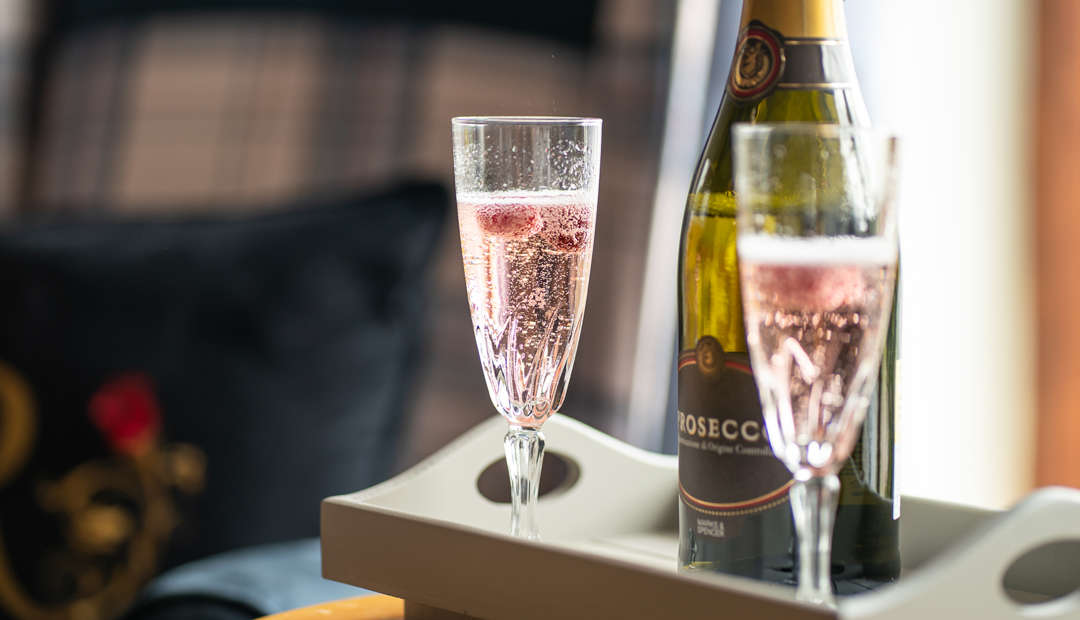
[(758, 64), (726, 466)]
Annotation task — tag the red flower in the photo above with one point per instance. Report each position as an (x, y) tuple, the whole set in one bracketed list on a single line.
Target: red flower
[(126, 410)]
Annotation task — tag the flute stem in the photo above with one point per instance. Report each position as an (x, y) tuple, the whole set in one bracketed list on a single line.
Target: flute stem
[(813, 504), (524, 458)]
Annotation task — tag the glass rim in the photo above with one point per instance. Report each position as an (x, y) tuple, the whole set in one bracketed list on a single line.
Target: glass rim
[(825, 130), (568, 121)]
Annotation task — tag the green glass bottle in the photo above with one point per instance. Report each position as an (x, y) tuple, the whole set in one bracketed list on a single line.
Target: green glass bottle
[(792, 63)]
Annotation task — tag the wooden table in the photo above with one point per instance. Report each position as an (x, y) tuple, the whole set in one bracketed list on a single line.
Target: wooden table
[(374, 607), (377, 607)]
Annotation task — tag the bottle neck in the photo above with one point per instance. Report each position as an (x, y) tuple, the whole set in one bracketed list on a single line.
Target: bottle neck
[(791, 45), (798, 19)]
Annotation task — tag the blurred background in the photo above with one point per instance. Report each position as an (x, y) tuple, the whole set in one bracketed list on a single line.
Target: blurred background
[(120, 114)]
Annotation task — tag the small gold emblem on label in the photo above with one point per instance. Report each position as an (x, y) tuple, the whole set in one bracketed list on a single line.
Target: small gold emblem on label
[(710, 357), (759, 62), (755, 64)]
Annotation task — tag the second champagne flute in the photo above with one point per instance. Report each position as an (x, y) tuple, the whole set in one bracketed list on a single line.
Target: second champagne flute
[(526, 193), (817, 248)]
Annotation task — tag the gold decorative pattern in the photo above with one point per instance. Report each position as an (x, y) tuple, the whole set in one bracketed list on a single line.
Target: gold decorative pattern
[(116, 512), (17, 425)]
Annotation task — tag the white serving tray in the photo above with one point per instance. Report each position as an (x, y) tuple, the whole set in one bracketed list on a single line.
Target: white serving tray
[(609, 546)]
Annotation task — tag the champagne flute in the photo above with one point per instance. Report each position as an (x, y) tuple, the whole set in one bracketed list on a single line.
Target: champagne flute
[(526, 194), (817, 248)]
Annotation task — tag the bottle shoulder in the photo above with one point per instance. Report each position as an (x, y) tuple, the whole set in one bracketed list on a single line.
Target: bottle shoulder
[(713, 174)]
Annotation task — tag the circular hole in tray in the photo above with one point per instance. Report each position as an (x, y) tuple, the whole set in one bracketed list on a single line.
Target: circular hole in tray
[(559, 473), (1046, 573)]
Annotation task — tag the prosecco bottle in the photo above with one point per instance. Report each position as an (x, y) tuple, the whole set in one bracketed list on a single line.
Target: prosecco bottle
[(792, 63)]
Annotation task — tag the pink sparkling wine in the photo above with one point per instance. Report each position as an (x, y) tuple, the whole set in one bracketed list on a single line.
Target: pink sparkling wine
[(816, 315), (527, 258)]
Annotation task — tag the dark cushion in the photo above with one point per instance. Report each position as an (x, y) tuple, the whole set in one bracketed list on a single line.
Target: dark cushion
[(275, 350)]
